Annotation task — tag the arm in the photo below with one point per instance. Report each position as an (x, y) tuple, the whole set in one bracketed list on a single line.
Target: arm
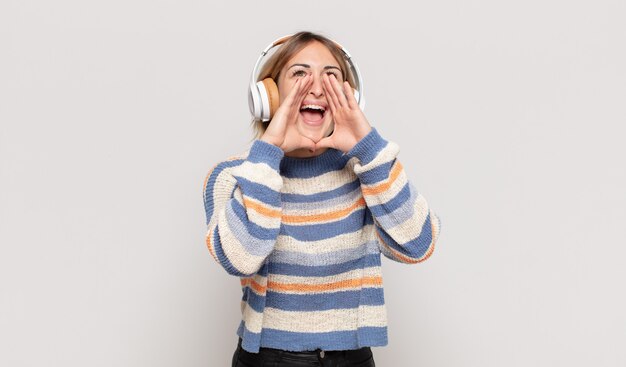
[(243, 209), (406, 227)]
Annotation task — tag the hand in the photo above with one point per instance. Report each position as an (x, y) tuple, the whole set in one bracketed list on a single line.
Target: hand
[(282, 130), (350, 122)]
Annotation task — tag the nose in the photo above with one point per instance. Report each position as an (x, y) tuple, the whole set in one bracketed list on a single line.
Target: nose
[(316, 87)]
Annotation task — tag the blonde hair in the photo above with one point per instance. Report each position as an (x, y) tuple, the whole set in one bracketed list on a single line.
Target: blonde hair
[(275, 63)]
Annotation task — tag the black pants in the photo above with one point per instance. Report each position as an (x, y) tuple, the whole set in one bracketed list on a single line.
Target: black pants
[(268, 357)]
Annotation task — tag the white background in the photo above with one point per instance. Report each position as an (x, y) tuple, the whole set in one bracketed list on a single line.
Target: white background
[(510, 117)]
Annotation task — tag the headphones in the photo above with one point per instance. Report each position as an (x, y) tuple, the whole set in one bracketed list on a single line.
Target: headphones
[(263, 98)]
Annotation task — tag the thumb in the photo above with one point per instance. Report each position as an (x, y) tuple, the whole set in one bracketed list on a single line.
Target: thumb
[(307, 144), (326, 142)]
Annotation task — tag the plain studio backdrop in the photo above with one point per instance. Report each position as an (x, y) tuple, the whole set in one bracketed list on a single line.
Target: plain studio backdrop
[(510, 118)]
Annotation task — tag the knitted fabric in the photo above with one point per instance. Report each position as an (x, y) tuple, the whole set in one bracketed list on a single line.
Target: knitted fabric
[(305, 236)]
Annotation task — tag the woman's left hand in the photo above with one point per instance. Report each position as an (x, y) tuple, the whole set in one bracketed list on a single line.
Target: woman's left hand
[(350, 122)]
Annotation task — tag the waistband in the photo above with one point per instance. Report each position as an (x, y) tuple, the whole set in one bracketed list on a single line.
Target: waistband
[(311, 355)]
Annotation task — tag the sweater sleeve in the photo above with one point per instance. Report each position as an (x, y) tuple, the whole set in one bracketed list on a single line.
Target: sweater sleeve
[(243, 209), (406, 226)]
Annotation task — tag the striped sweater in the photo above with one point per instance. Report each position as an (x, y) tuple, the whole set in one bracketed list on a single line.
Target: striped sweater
[(305, 237)]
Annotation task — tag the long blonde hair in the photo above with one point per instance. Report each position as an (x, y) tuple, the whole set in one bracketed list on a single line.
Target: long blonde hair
[(275, 63)]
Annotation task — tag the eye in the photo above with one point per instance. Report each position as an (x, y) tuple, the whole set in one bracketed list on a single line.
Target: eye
[(298, 73), (336, 74)]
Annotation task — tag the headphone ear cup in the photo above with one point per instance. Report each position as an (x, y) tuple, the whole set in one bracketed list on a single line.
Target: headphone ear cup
[(273, 97), (359, 99), (356, 94)]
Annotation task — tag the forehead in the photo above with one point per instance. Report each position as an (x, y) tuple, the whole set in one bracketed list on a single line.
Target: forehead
[(315, 53)]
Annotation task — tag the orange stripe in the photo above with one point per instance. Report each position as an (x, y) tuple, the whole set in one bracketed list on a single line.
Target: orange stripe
[(210, 245), (348, 283), (260, 289), (395, 172), (261, 209), (324, 216)]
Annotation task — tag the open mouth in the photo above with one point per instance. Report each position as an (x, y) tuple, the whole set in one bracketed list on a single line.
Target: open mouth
[(312, 114)]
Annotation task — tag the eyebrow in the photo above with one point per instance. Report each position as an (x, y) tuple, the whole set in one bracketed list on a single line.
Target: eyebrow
[(309, 66)]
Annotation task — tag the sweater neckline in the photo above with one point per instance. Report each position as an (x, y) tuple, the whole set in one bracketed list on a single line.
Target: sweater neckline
[(331, 159)]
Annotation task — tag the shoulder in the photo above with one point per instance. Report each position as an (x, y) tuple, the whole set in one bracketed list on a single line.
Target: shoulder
[(223, 169)]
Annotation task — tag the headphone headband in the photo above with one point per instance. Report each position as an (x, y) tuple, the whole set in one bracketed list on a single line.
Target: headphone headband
[(257, 106)]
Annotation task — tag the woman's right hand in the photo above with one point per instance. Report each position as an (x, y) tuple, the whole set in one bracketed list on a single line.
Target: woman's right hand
[(282, 130)]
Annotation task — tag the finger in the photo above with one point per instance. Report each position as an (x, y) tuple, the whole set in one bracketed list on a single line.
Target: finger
[(343, 102), (304, 90), (307, 144), (347, 88), (297, 100), (327, 142), (331, 93), (329, 98), (293, 92)]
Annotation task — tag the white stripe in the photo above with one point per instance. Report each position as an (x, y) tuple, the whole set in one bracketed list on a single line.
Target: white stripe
[(412, 227), (222, 190), (310, 221), (253, 319), (328, 205), (387, 154), (256, 278), (256, 217), (234, 250), (324, 258), (260, 173), (340, 242), (322, 183), (325, 321)]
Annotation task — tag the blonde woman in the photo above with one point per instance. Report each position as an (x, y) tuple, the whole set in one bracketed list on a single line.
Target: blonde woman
[(303, 217)]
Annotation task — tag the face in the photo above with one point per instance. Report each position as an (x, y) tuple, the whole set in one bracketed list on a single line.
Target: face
[(315, 59)]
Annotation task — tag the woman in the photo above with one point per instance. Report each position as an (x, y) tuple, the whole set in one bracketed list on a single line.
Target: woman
[(303, 217)]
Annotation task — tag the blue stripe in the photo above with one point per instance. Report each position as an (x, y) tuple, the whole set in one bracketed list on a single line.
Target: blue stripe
[(254, 229), (330, 160), (350, 197), (401, 197), (377, 174), (324, 258), (342, 190), (335, 340), (219, 253), (401, 214), (262, 152), (255, 301), (252, 244), (210, 186), (414, 248), (316, 232), (259, 192), (325, 301), (368, 148), (363, 261), (249, 341)]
